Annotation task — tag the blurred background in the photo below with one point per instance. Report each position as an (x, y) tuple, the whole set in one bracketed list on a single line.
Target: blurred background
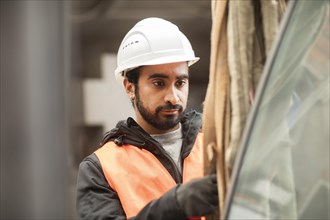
[(59, 94)]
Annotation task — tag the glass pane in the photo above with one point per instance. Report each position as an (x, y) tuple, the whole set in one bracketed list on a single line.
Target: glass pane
[(285, 171)]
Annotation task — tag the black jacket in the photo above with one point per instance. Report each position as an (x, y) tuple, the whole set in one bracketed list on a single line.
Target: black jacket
[(96, 199)]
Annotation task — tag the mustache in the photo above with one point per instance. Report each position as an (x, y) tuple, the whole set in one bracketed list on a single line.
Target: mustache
[(169, 107)]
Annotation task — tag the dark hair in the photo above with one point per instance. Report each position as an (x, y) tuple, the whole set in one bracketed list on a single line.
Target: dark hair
[(133, 75)]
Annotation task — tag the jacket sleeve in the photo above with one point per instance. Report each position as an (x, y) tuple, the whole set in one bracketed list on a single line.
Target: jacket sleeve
[(97, 200), (164, 208)]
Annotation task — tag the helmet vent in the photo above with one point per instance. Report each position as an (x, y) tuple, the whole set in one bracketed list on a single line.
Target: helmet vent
[(130, 43)]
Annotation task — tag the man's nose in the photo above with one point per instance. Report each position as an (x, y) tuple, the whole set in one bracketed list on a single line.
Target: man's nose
[(172, 96)]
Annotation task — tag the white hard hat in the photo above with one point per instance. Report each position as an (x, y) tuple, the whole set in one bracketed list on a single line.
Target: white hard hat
[(153, 41)]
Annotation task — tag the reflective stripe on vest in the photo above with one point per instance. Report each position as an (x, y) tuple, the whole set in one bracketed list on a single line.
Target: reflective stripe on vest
[(138, 176)]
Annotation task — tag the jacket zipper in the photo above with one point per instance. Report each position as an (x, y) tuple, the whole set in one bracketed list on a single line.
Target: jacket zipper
[(173, 169), (163, 156), (167, 162)]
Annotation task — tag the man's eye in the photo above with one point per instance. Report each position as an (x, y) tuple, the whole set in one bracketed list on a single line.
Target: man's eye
[(158, 83), (181, 83)]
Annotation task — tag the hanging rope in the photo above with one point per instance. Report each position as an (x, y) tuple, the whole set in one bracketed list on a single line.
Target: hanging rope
[(241, 37)]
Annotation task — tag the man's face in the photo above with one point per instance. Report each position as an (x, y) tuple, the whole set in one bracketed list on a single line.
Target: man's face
[(161, 96)]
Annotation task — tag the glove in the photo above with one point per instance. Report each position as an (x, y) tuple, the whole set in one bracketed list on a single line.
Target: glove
[(199, 197)]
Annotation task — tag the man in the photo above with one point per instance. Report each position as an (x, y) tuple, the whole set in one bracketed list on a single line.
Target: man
[(151, 168)]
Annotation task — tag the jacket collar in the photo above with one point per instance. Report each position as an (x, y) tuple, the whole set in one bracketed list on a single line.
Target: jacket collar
[(129, 132)]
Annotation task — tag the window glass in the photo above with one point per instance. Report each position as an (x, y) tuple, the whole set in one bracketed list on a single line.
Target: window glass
[(285, 170)]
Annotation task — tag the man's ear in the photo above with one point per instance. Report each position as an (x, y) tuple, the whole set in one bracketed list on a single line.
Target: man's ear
[(129, 88)]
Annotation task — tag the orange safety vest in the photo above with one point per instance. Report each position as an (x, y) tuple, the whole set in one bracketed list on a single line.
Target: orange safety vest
[(138, 176)]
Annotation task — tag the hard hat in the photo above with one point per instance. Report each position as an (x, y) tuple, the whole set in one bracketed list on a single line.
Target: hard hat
[(153, 41)]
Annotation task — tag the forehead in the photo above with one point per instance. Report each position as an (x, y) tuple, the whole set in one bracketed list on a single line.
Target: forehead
[(172, 70)]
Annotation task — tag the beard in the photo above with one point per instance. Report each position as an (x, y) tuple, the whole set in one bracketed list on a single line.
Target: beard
[(165, 122)]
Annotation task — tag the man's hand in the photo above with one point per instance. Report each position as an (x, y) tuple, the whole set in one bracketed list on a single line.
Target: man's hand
[(199, 197)]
